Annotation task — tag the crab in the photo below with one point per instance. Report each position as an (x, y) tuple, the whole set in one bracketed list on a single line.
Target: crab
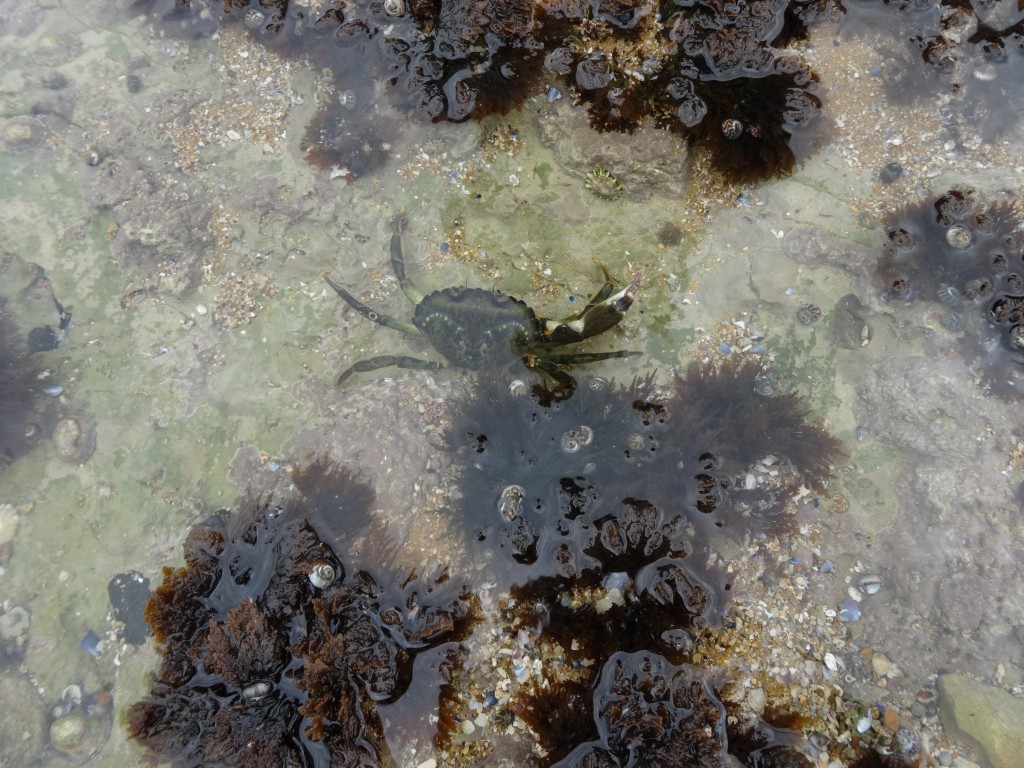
[(478, 329)]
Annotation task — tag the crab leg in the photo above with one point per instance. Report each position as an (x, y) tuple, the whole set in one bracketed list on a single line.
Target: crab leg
[(371, 314), (579, 358), (399, 361), (398, 260), (553, 365), (601, 313)]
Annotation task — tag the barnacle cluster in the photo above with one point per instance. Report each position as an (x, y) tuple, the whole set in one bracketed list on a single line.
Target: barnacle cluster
[(969, 258), (604, 515), (273, 654), (716, 73)]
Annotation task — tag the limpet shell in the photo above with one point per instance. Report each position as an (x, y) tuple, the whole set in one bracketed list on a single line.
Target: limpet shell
[(74, 437), (22, 134), (80, 734)]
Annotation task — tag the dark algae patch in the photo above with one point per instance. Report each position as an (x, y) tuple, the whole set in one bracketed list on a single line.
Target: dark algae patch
[(965, 256), (649, 711), (603, 515), (275, 655), (617, 477), (715, 74), (598, 523)]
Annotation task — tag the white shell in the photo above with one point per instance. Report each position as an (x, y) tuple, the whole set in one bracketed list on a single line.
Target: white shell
[(870, 583), (322, 575)]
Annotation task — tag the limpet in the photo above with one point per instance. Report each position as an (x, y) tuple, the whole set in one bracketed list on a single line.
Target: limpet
[(74, 437), (22, 134), (958, 236), (510, 504), (603, 184), (81, 731)]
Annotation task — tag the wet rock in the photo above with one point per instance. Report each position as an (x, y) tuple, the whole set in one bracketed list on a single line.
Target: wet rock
[(987, 718), (653, 161), (906, 400), (23, 726), (168, 227), (817, 247), (14, 626), (850, 325), (117, 181)]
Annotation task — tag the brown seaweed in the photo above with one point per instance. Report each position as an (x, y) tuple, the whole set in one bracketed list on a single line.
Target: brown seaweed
[(718, 77), (273, 655)]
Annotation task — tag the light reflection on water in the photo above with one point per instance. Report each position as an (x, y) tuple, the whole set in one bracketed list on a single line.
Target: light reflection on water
[(177, 222)]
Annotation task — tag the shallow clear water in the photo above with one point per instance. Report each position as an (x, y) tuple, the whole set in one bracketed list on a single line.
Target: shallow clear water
[(177, 222)]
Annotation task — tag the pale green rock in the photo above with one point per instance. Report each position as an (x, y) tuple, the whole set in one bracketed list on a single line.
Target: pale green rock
[(986, 718), (23, 725)]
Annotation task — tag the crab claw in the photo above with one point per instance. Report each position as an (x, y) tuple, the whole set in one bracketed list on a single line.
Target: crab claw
[(596, 318)]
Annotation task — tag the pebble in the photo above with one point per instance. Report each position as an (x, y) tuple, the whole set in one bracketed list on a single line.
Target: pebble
[(890, 173), (870, 583), (880, 665), (891, 719)]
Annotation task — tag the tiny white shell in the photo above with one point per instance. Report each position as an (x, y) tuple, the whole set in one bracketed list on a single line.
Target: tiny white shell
[(870, 583), (256, 691), (831, 663)]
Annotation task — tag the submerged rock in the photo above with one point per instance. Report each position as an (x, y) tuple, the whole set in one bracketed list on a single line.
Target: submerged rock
[(986, 717)]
